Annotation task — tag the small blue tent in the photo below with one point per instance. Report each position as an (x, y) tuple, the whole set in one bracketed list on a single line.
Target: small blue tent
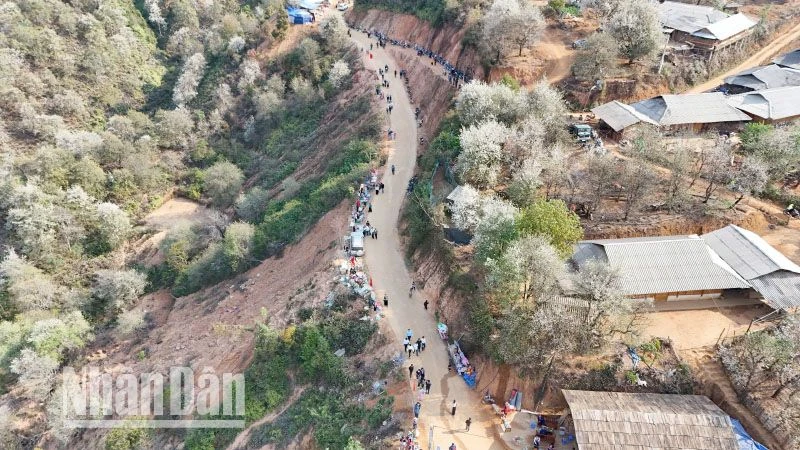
[(299, 16)]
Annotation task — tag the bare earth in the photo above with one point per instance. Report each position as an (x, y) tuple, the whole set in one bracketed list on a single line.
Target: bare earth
[(386, 264)]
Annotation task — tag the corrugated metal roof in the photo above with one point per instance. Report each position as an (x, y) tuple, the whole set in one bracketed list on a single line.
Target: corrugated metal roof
[(771, 104), (770, 273), (664, 264), (791, 59), (765, 77), (690, 108), (619, 115), (747, 253), (725, 28), (688, 18), (639, 421)]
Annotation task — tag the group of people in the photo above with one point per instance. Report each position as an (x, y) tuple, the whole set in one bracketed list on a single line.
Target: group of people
[(454, 75)]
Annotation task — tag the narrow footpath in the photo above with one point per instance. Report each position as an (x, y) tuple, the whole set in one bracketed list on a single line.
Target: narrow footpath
[(386, 264)]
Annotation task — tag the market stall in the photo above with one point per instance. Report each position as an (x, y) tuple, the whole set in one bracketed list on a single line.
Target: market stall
[(461, 364)]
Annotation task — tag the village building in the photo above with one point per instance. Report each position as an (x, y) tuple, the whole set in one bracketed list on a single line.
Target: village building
[(728, 267), (695, 112), (637, 421), (789, 60), (771, 274), (703, 28), (769, 105), (760, 78)]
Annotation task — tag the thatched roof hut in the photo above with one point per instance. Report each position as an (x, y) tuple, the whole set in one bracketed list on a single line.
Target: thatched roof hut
[(633, 421)]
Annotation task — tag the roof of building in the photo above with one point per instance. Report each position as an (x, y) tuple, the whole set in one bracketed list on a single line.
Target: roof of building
[(791, 59), (661, 264), (765, 77), (461, 194), (770, 273), (619, 116), (726, 28), (772, 104), (639, 421), (708, 107), (686, 17)]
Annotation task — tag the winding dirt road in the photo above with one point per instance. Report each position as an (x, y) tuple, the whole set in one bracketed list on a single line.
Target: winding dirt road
[(762, 56), (386, 264)]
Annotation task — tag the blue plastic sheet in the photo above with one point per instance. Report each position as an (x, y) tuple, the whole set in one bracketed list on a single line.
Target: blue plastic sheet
[(745, 441)]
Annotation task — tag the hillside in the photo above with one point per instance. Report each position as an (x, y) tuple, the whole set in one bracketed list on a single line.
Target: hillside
[(152, 151)]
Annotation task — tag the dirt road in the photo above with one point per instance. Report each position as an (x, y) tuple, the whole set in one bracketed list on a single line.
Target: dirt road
[(386, 264), (763, 56)]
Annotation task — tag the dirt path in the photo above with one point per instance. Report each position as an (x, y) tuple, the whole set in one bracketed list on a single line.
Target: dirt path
[(762, 56), (244, 436), (385, 262)]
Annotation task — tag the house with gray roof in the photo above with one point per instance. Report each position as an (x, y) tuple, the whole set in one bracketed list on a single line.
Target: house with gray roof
[(663, 268), (703, 27), (769, 105), (729, 262), (790, 60), (616, 116), (642, 421), (695, 111), (769, 272), (762, 77)]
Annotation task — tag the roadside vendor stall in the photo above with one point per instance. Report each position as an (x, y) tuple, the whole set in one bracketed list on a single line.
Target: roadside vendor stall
[(461, 364)]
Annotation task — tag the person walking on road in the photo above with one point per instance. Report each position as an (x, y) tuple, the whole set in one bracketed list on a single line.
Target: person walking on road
[(392, 169), (452, 446), (427, 386), (468, 422), (409, 333), (453, 408), (417, 408), (410, 370), (422, 343), (405, 341), (425, 304), (385, 296)]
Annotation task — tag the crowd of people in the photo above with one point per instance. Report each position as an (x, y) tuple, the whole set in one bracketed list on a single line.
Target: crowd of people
[(455, 75)]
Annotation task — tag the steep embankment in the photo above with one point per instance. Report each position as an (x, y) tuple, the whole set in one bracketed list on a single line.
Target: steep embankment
[(446, 41)]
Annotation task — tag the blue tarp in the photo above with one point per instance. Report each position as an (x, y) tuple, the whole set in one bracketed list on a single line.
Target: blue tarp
[(745, 441), (299, 16)]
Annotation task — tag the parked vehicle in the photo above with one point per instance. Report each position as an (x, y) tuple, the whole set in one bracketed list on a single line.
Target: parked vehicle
[(342, 6), (578, 44), (355, 243), (581, 131)]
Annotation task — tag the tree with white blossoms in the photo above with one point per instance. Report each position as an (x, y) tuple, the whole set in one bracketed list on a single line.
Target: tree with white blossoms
[(251, 205), (466, 210), (154, 14), (250, 71), (338, 73), (236, 44), (751, 178), (496, 228), (27, 287), (479, 101), (608, 311), (511, 24), (636, 27), (117, 289), (526, 273), (113, 224), (532, 338), (186, 86), (334, 32), (482, 153), (525, 182), (36, 374), (302, 88), (547, 105), (268, 105), (53, 337), (222, 182), (130, 321)]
